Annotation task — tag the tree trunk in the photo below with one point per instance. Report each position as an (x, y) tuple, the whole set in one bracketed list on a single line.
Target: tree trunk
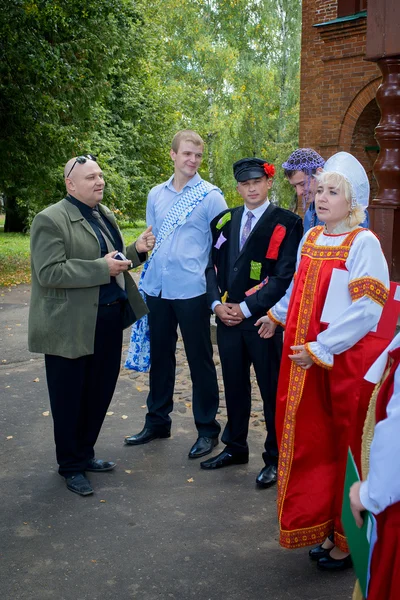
[(16, 217)]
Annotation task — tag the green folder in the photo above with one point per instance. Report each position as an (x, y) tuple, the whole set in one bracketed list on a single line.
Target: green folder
[(360, 541)]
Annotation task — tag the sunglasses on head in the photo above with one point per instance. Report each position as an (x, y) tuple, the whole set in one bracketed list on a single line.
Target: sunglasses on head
[(81, 160)]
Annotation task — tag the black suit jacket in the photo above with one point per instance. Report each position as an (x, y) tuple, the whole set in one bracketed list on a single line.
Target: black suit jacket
[(263, 268)]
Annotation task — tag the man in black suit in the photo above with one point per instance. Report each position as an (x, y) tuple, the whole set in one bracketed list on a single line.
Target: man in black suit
[(251, 265)]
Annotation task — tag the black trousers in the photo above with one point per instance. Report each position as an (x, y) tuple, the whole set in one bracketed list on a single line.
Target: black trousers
[(238, 349), (81, 390), (193, 317)]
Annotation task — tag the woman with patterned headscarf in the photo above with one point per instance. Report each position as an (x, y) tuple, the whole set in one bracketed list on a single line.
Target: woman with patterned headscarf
[(335, 299)]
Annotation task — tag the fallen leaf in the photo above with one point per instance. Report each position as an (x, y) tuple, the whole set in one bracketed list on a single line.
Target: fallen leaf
[(103, 501), (25, 522), (9, 437), (110, 413), (124, 417), (144, 406), (188, 404), (138, 389), (17, 324), (94, 561), (36, 380), (8, 386), (46, 413), (190, 480), (128, 471)]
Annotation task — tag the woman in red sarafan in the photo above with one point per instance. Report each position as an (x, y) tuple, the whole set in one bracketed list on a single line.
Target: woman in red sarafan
[(322, 397)]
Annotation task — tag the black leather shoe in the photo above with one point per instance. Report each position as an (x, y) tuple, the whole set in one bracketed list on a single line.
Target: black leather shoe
[(202, 446), (145, 436), (267, 477), (79, 484), (98, 466), (224, 459), (327, 563), (318, 552)]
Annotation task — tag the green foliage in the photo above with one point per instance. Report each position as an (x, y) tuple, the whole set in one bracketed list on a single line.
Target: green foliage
[(118, 78), (14, 257), (75, 78), (234, 70)]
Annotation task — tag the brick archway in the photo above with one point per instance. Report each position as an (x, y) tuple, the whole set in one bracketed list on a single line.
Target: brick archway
[(356, 107)]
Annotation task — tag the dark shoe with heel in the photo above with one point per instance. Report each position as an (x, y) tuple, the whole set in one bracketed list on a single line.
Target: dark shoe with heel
[(145, 436), (327, 563), (202, 447), (318, 552)]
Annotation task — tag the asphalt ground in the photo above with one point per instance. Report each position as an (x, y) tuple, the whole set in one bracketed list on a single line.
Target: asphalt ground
[(157, 527)]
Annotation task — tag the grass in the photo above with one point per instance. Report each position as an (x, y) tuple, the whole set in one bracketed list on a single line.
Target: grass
[(15, 256)]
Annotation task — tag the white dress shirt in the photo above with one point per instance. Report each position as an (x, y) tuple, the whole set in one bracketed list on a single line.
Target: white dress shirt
[(257, 213)]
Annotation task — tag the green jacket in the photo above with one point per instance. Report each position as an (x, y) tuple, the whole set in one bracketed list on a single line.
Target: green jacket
[(67, 271)]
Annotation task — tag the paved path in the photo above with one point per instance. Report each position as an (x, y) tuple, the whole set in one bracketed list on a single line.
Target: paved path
[(157, 528)]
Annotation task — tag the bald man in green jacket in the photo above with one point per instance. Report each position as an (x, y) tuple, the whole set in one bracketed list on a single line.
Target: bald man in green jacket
[(82, 299)]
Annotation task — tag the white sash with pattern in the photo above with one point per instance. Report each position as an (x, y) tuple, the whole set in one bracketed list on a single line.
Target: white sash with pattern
[(138, 358)]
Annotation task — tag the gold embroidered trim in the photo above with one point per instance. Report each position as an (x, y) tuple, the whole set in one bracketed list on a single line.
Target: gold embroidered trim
[(368, 286), (317, 360), (298, 538), (296, 384), (274, 319), (327, 252), (341, 542)]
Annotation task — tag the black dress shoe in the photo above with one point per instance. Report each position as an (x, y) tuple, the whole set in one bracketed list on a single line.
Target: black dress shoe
[(224, 459), (318, 552), (146, 435), (202, 446), (98, 466), (79, 484), (267, 477), (327, 563)]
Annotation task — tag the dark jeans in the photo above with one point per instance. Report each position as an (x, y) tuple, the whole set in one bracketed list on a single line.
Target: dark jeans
[(193, 317), (81, 390), (238, 349)]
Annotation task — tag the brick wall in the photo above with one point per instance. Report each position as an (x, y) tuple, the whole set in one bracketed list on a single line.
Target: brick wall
[(337, 85)]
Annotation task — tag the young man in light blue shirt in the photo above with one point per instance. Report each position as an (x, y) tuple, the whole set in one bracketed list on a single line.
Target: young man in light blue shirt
[(175, 288)]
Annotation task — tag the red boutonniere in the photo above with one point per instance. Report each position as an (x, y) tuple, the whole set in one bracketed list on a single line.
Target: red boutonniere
[(269, 170)]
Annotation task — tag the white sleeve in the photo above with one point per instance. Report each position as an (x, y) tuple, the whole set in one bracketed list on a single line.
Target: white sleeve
[(278, 312), (368, 282), (382, 487)]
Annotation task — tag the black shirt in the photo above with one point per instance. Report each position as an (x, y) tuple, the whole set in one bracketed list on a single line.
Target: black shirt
[(109, 292)]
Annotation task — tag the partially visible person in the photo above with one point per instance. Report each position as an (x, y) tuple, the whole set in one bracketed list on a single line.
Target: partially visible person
[(300, 170), (334, 301), (180, 211), (380, 491), (82, 299), (252, 263)]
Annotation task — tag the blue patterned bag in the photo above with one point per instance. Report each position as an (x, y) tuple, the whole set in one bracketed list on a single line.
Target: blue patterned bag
[(138, 358)]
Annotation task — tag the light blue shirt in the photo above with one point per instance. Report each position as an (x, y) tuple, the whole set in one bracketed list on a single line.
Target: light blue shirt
[(257, 213), (178, 269)]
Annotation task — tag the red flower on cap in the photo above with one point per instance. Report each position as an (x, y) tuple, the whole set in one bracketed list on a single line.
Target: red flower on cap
[(269, 169)]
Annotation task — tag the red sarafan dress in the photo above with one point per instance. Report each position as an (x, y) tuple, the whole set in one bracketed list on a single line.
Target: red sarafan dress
[(320, 411), (381, 492)]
